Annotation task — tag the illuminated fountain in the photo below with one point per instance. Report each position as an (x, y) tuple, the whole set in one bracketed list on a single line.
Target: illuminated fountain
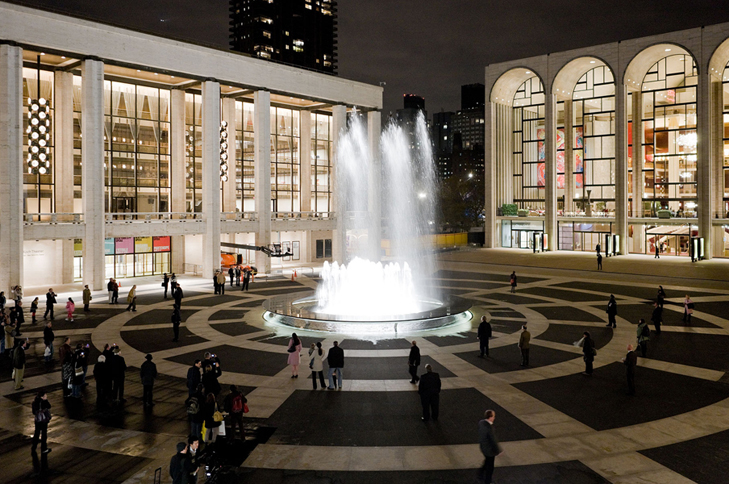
[(380, 298)]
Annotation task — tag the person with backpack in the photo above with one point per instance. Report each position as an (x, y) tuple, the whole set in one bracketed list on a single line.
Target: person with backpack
[(235, 405), (612, 311), (193, 406), (147, 373), (644, 333), (688, 309), (41, 409)]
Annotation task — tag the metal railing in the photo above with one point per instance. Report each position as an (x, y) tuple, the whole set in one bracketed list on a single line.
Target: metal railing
[(595, 214), (721, 214), (152, 216), (195, 269), (662, 214), (53, 218), (302, 215), (239, 216)]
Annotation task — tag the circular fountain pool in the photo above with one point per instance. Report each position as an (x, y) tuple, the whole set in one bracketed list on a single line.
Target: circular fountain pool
[(306, 313)]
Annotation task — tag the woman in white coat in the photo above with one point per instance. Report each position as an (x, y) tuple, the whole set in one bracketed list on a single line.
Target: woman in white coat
[(317, 366), (294, 351)]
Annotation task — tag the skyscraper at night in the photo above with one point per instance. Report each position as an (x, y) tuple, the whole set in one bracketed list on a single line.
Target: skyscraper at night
[(298, 32)]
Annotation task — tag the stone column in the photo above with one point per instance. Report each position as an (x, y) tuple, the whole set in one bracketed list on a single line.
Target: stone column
[(569, 158), (177, 173), (703, 168), (374, 231), (92, 156), (11, 166), (305, 160), (638, 159), (550, 192), (490, 181), (717, 162), (211, 176), (229, 187), (63, 91), (621, 166), (262, 161), (339, 235)]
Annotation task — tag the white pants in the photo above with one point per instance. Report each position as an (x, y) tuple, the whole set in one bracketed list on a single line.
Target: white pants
[(111, 293)]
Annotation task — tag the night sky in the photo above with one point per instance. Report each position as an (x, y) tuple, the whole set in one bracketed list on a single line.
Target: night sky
[(426, 47)]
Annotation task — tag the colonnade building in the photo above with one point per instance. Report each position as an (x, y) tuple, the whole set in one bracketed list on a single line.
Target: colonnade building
[(628, 139), (125, 154)]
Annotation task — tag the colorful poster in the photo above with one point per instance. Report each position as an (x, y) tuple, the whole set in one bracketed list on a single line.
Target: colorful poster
[(109, 246), (560, 139), (142, 245), (560, 168), (541, 178), (161, 244), (579, 143), (78, 247), (579, 169), (124, 245)]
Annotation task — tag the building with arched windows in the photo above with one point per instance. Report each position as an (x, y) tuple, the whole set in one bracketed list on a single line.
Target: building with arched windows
[(624, 144), (125, 154)]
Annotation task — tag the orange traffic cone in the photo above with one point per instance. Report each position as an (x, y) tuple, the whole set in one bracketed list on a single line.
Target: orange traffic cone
[(295, 274), (292, 277)]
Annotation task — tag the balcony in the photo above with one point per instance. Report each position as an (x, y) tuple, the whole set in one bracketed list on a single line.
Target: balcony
[(149, 217), (53, 218)]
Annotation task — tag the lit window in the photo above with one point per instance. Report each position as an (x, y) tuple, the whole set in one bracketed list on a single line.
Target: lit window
[(267, 34), (327, 64), (298, 42)]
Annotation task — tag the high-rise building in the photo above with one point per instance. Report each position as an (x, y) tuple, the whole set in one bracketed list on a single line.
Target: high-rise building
[(467, 125), (473, 96), (440, 133), (406, 117), (298, 32)]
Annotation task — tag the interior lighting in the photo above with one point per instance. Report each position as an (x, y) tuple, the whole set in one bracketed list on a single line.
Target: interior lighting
[(592, 62), (38, 136), (668, 50), (224, 151)]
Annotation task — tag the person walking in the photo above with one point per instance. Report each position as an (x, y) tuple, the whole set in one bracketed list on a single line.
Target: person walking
[(644, 333), (294, 351), (612, 311), (193, 377), (65, 354), (70, 308), (414, 362), (148, 373), (661, 296), (48, 337), (599, 261), (246, 279), (316, 365), (688, 309), (231, 274), (19, 317), (165, 283), (221, 282), (657, 317), (19, 364), (237, 276), (630, 361), (235, 406), (41, 409), (335, 360), (597, 248), (102, 376), (176, 320), (33, 310), (86, 298), (178, 295), (484, 335), (658, 250), (589, 352), (50, 301), (489, 446), (18, 293), (118, 368), (110, 289), (429, 390), (132, 299), (115, 285), (512, 281), (524, 345)]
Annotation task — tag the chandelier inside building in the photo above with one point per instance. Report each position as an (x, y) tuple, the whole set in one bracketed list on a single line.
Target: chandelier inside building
[(224, 151), (39, 123)]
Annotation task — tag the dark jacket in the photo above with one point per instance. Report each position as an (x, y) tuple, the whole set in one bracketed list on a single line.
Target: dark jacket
[(228, 402), (50, 298), (193, 378), (40, 405), (176, 317), (66, 353), (189, 466), (631, 361), (118, 366), (148, 372), (102, 374), (335, 357), (588, 347), (199, 416), (210, 382), (19, 357), (414, 358), (178, 295), (612, 308), (48, 335), (208, 409), (429, 384), (176, 467), (657, 315), (487, 439), (484, 330)]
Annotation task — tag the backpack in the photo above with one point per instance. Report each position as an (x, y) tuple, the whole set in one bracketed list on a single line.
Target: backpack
[(646, 331), (193, 406), (42, 416), (237, 406)]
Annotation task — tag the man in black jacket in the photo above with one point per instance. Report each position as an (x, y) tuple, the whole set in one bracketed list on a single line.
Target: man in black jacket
[(631, 361), (612, 311), (19, 364), (178, 295), (176, 320), (429, 391), (48, 338), (176, 463), (193, 377), (118, 367), (414, 362), (490, 447), (50, 301), (190, 465), (657, 317), (335, 360), (147, 373), (484, 334)]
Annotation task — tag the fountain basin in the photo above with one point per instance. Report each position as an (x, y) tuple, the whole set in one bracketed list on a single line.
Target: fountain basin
[(296, 311)]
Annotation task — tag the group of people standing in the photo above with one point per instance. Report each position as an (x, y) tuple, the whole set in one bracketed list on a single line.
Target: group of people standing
[(236, 274)]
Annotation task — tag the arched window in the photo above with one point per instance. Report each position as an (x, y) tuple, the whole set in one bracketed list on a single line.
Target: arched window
[(529, 150), (593, 142), (669, 136), (724, 209)]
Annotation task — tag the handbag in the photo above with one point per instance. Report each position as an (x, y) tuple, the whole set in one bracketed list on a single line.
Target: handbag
[(245, 408), (221, 430), (78, 371), (217, 416)]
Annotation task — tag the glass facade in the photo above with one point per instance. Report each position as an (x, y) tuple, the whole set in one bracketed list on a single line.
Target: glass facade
[(724, 209), (529, 149), (137, 256), (593, 142), (38, 190), (136, 168), (244, 156), (193, 152), (669, 136), (285, 160), (321, 163)]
